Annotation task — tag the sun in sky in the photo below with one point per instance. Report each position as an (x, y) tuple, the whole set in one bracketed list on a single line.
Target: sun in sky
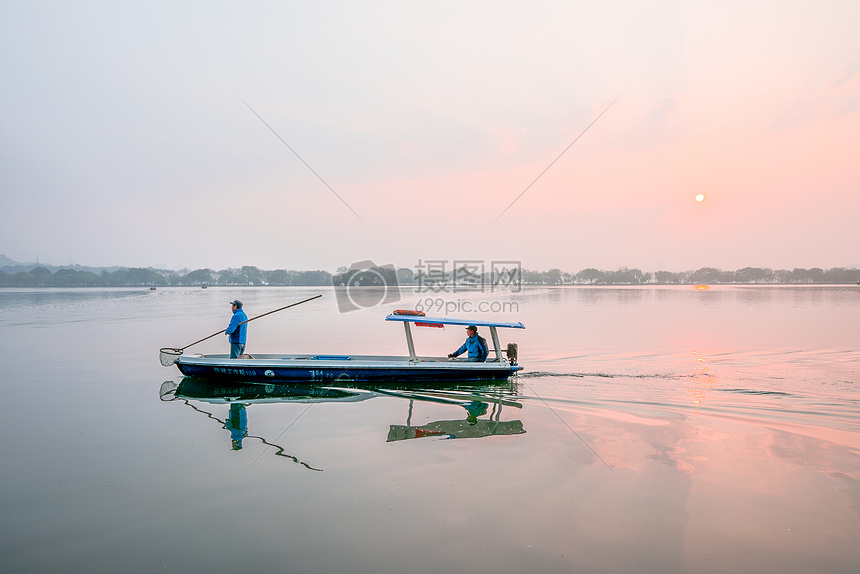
[(700, 197)]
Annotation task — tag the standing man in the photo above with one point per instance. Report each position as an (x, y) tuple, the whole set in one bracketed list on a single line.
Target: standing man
[(475, 344), (237, 330)]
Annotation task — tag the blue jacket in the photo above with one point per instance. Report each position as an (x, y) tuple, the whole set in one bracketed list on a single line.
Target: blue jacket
[(238, 333), (477, 347)]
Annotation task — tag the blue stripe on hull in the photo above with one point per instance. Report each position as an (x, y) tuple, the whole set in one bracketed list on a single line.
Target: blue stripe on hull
[(301, 374)]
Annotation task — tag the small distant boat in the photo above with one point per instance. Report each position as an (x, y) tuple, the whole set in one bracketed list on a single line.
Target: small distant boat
[(322, 368), (152, 288), (204, 286)]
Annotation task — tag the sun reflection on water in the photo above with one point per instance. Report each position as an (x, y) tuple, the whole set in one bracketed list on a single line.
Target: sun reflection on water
[(704, 382)]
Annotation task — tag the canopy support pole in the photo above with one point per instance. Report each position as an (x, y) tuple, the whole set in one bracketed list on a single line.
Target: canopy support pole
[(496, 345), (409, 342)]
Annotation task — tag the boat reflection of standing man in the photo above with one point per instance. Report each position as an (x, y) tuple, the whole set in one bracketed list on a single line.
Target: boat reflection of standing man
[(237, 424)]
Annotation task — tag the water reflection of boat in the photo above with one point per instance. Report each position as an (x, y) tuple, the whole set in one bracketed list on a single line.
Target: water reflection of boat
[(237, 417), (339, 369), (251, 393), (471, 427), (456, 429), (476, 400)]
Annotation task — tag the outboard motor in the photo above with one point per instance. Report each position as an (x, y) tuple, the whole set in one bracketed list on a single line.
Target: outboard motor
[(512, 353)]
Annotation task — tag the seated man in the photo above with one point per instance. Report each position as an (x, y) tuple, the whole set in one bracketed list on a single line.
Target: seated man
[(475, 344)]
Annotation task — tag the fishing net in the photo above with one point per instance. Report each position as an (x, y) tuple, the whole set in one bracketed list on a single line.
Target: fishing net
[(168, 356)]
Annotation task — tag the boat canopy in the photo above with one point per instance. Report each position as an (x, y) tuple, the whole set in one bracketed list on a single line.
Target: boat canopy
[(446, 321)]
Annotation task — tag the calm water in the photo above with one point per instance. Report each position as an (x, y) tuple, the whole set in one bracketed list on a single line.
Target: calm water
[(653, 430)]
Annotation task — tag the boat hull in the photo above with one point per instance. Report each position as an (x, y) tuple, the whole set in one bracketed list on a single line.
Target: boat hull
[(323, 369)]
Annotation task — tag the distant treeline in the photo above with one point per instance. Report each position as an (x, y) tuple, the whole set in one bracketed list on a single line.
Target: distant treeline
[(705, 275), (248, 275)]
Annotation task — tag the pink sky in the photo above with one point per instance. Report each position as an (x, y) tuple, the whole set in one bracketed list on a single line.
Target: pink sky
[(123, 141)]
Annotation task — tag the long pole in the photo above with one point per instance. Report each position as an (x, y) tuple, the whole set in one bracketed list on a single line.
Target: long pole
[(242, 323)]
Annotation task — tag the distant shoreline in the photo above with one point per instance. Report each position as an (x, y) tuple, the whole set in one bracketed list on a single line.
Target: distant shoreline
[(457, 280)]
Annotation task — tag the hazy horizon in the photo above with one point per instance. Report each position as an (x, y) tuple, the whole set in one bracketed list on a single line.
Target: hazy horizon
[(124, 139), (4, 258)]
